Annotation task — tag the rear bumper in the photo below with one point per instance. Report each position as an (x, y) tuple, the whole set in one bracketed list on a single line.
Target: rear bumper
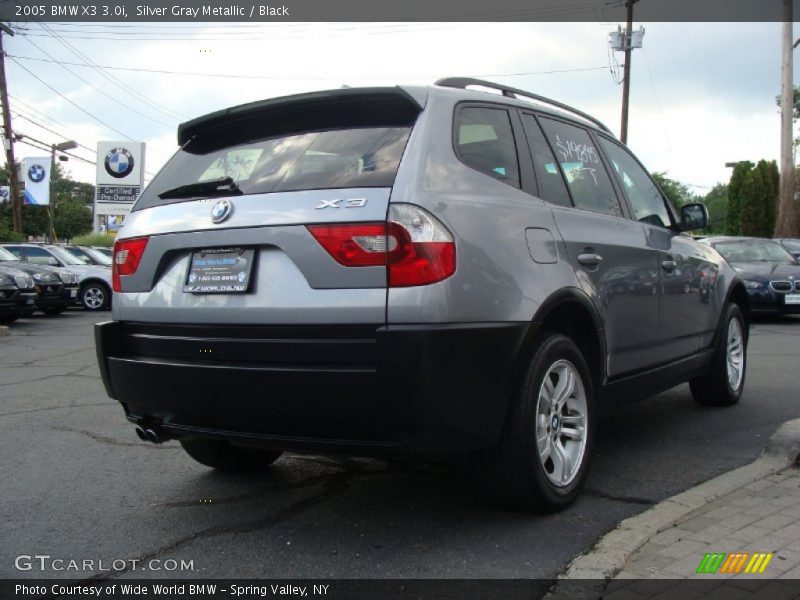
[(347, 388)]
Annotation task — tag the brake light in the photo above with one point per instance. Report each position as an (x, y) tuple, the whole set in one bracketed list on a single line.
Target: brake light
[(414, 245), (127, 255)]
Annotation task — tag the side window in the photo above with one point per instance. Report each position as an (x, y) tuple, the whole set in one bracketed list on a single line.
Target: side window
[(642, 194), (548, 176), (15, 250), (485, 142), (586, 176), (38, 256)]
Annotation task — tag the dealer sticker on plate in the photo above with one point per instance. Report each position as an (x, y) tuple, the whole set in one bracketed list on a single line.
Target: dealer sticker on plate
[(792, 298), (220, 271)]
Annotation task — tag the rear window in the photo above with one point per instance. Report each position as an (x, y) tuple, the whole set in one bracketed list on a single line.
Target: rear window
[(342, 158)]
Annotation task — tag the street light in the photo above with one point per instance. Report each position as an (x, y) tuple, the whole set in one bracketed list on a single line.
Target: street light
[(62, 147)]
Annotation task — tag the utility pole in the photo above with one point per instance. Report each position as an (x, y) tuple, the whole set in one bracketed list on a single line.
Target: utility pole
[(626, 41), (11, 164), (787, 224)]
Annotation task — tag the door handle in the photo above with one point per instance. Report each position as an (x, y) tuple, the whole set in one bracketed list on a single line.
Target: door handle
[(590, 260), (669, 265)]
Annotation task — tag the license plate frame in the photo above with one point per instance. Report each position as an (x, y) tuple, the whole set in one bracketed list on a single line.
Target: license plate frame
[(220, 271)]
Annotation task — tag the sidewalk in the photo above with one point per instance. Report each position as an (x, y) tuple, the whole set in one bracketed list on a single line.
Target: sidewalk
[(731, 537)]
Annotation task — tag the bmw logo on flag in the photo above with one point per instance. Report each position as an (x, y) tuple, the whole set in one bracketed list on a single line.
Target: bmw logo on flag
[(36, 173), (119, 162)]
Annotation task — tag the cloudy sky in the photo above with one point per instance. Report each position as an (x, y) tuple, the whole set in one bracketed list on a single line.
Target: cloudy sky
[(703, 94)]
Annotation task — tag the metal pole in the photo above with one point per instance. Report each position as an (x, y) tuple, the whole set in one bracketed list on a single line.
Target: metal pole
[(626, 82), (11, 164), (787, 223), (51, 208)]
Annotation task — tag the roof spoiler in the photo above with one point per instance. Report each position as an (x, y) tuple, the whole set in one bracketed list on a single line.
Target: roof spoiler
[(347, 107)]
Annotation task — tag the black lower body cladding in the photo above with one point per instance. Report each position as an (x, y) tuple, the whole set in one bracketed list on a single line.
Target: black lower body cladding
[(356, 388)]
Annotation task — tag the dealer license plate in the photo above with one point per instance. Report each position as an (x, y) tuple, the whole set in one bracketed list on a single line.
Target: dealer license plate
[(220, 271), (792, 298), (73, 293)]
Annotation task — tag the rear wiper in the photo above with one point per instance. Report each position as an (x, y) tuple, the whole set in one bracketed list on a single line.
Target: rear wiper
[(213, 187)]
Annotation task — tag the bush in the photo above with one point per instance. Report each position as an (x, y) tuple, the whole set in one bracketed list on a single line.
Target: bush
[(95, 239), (9, 235)]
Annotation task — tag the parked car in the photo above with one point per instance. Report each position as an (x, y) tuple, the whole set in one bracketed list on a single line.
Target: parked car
[(94, 280), (770, 273), (410, 269), (792, 246), (17, 295), (56, 288), (88, 255), (109, 252)]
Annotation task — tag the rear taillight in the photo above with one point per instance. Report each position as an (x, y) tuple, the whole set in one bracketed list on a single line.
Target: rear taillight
[(127, 254), (414, 245)]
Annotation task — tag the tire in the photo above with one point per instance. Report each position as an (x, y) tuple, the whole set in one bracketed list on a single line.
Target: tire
[(513, 474), (722, 386), (224, 456), (95, 296), (52, 311)]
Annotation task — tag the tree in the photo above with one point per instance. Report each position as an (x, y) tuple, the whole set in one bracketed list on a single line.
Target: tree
[(752, 210), (70, 200), (717, 203), (677, 193), (734, 216)]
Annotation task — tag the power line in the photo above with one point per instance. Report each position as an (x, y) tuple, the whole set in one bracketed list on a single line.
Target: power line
[(49, 148), (298, 78), (123, 86), (17, 113), (94, 87), (83, 110)]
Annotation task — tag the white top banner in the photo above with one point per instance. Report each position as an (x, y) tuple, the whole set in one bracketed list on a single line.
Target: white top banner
[(36, 176), (120, 163)]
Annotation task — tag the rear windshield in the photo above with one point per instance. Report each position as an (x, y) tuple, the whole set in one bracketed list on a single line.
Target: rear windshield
[(342, 158)]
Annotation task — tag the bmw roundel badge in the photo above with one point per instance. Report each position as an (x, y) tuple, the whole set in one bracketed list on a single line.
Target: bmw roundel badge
[(36, 173), (119, 162), (221, 211)]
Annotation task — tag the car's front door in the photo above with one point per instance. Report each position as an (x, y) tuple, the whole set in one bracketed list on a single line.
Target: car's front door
[(687, 316)]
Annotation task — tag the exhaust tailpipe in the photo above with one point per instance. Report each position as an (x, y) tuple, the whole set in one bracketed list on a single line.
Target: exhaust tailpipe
[(154, 435)]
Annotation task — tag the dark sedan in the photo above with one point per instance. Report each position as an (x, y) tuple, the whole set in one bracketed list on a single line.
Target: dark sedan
[(770, 273), (17, 294), (56, 288)]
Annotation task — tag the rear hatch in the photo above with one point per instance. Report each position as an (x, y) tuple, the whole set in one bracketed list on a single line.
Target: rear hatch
[(225, 232)]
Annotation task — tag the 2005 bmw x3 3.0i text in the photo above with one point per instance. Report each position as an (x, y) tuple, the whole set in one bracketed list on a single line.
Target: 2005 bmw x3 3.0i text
[(435, 269)]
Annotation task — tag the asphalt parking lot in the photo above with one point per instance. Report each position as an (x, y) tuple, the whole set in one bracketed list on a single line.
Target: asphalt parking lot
[(79, 485)]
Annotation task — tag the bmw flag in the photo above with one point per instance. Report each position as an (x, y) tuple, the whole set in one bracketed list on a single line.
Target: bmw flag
[(36, 175)]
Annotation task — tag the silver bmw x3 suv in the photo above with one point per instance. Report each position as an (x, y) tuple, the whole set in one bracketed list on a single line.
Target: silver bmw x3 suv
[(433, 269)]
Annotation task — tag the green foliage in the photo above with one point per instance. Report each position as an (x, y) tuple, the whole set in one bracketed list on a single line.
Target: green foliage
[(734, 218), (72, 216), (753, 199), (95, 239), (7, 234), (717, 203), (677, 193)]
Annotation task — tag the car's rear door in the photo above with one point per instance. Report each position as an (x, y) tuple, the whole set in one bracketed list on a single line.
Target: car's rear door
[(615, 265)]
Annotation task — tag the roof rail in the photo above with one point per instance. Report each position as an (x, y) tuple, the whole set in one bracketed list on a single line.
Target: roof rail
[(510, 92)]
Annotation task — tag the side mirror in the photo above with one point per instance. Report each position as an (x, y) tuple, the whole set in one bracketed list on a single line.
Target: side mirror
[(694, 216)]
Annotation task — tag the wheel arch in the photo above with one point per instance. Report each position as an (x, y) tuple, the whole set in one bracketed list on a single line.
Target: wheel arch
[(570, 311)]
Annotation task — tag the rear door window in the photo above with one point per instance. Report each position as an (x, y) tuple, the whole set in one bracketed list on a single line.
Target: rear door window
[(586, 176), (484, 141), (334, 159), (548, 176)]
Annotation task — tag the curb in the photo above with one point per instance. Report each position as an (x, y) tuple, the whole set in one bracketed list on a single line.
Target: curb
[(611, 552), (3, 330)]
